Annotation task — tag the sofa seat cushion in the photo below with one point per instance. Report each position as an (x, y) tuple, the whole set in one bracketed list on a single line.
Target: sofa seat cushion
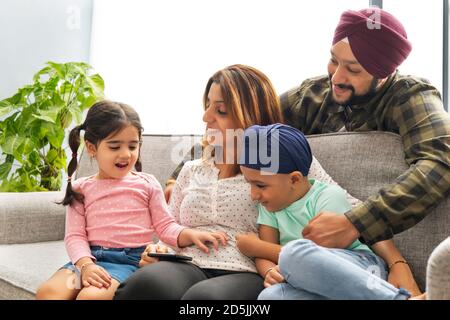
[(23, 267)]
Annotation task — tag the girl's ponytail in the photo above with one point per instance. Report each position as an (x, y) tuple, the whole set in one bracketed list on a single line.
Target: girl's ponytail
[(74, 143)]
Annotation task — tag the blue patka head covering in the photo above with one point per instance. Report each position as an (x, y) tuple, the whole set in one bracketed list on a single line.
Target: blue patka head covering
[(276, 148)]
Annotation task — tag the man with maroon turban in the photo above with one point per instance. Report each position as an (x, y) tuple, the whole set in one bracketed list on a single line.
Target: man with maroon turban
[(362, 92)]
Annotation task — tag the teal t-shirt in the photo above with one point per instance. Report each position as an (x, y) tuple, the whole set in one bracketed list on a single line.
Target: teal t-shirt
[(291, 220)]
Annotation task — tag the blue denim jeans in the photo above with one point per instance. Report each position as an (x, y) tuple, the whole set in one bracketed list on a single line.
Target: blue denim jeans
[(313, 272), (120, 263)]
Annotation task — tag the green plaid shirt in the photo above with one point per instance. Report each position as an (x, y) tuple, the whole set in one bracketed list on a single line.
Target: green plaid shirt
[(405, 105)]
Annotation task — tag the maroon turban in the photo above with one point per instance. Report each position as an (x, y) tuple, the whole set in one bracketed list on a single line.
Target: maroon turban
[(377, 39)]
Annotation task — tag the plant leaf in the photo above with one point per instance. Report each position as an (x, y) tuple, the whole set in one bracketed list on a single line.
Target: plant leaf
[(5, 167), (97, 84), (27, 146), (5, 108), (49, 115), (12, 143), (59, 68), (51, 156), (34, 158), (44, 71), (44, 117), (55, 135)]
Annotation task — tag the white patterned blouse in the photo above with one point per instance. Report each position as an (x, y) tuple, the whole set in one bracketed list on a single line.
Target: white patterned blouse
[(203, 201)]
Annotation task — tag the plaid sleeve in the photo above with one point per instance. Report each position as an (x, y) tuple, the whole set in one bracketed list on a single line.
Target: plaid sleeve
[(425, 130), (293, 113)]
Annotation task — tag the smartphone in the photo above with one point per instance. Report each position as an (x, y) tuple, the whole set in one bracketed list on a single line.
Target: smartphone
[(169, 256)]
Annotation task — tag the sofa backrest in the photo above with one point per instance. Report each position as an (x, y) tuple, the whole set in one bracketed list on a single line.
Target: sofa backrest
[(361, 162)]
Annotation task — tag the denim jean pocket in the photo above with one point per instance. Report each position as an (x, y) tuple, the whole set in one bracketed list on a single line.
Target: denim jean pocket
[(134, 259), (133, 256)]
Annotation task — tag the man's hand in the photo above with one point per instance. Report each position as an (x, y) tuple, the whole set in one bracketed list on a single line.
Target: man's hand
[(330, 230), (168, 190)]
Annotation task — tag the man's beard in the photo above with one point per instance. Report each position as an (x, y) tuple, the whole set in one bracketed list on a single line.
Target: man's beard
[(355, 99)]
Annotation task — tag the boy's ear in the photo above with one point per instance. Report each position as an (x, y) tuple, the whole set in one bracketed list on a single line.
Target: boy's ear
[(296, 177)]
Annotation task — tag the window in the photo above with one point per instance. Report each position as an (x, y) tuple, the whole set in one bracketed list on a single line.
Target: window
[(158, 55), (446, 68), (425, 59)]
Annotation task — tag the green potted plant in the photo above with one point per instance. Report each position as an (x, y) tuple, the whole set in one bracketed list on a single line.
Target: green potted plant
[(33, 123)]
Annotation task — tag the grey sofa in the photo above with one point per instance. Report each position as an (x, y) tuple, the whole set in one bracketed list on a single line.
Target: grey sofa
[(32, 226)]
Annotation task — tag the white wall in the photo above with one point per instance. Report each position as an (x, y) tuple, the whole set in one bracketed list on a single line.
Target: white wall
[(158, 55), (33, 32)]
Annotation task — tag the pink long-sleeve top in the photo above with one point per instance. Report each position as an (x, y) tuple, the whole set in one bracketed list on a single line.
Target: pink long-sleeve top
[(118, 213)]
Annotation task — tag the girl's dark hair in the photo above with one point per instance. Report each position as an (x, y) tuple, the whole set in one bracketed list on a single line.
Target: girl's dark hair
[(103, 119)]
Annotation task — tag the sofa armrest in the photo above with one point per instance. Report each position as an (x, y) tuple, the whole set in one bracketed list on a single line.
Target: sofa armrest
[(31, 217), (438, 276)]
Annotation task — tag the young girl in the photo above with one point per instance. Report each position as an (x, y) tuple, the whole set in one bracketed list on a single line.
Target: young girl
[(113, 215), (288, 200)]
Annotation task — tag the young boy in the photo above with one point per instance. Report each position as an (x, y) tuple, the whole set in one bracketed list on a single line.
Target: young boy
[(275, 161)]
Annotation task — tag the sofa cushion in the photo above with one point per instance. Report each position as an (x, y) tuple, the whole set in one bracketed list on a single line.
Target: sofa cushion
[(23, 267)]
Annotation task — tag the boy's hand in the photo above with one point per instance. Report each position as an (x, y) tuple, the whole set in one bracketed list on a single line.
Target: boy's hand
[(95, 275), (400, 276), (273, 276), (145, 259), (202, 238), (247, 243)]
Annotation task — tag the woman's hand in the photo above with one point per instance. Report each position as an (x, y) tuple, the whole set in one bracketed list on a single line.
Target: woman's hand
[(201, 239), (145, 259), (248, 243), (273, 276), (95, 275), (400, 276)]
